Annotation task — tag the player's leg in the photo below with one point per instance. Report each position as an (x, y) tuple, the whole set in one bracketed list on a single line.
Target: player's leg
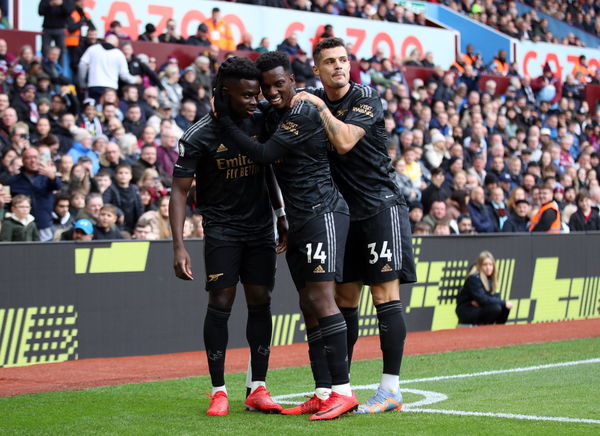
[(258, 276), (384, 267), (222, 259)]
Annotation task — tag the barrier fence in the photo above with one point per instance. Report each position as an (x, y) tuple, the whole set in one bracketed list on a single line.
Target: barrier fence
[(69, 301)]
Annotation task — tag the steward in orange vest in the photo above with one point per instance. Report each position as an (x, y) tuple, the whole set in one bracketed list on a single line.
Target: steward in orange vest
[(547, 218), (500, 64), (581, 67), (75, 22)]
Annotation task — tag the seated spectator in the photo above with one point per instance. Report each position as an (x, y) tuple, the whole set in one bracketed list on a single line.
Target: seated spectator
[(159, 219), (438, 215), (149, 34), (187, 116), (116, 29), (415, 214), (435, 191), (106, 228), (548, 87), (586, 218), (83, 230), (436, 152), (483, 220), (478, 301), (289, 45), (82, 146), (442, 228), (143, 232), (91, 210), (129, 201), (518, 218), (465, 225), (200, 38), (245, 43), (133, 122), (19, 224), (61, 217), (422, 228), (406, 186), (498, 207)]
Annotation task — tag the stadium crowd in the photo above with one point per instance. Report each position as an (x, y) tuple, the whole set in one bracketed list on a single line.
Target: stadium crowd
[(93, 154)]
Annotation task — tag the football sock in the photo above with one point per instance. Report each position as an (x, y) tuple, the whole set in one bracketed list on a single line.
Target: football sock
[(343, 389), (216, 389), (318, 361), (390, 383), (216, 336), (256, 384), (392, 332), (351, 317), (258, 334), (333, 332), (323, 393)]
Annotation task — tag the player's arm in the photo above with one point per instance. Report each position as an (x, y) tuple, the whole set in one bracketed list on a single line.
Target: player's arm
[(279, 208), (181, 258), (341, 135)]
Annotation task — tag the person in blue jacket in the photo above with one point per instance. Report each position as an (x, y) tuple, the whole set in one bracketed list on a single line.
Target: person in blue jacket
[(477, 302)]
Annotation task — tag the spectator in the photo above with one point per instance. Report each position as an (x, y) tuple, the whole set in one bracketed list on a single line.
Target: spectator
[(82, 146), (159, 219), (83, 230), (53, 68), (498, 207), (435, 191), (302, 69), (138, 68), (246, 42), (478, 301), (149, 34), (106, 64), (548, 87), (187, 116), (61, 216), (55, 13), (106, 228), (289, 45), (129, 200), (173, 90), (465, 225), (19, 224), (547, 217), (133, 120), (111, 158), (483, 220), (219, 31), (167, 152), (143, 232), (38, 181), (437, 215), (586, 218), (201, 37), (116, 29), (263, 46)]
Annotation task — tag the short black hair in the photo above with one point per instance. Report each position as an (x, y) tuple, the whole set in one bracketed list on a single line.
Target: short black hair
[(326, 44), (273, 59), (237, 68)]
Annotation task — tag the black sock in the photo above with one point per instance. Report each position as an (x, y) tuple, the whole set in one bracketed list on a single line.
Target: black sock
[(216, 336), (333, 331), (392, 332), (318, 361), (258, 334), (351, 317)]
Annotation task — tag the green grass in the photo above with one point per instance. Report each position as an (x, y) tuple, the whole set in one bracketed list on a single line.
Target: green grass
[(177, 407)]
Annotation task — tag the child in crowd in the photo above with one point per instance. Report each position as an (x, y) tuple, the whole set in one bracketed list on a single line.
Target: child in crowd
[(129, 200), (19, 224), (106, 228)]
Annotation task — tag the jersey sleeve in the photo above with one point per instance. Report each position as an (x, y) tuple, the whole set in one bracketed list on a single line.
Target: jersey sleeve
[(365, 108), (298, 127), (190, 152)]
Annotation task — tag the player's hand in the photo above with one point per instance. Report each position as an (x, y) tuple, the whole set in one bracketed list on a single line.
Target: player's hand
[(221, 103), (509, 305), (182, 264), (282, 230), (306, 96)]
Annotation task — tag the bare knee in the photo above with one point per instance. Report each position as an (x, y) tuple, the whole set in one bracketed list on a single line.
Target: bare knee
[(385, 292), (347, 294)]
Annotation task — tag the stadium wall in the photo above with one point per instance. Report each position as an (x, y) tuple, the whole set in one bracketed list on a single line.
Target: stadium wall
[(69, 301), (275, 23)]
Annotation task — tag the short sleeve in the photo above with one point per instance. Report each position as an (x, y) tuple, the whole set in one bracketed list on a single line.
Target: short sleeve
[(189, 155), (366, 108), (295, 129)]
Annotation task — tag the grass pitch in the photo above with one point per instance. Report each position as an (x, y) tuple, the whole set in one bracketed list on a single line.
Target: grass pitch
[(518, 402)]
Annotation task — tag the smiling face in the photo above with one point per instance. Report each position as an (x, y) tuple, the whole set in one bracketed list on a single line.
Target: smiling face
[(278, 87), (243, 96)]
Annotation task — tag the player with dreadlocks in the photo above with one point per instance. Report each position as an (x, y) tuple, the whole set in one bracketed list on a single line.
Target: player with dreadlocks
[(319, 220), (235, 196)]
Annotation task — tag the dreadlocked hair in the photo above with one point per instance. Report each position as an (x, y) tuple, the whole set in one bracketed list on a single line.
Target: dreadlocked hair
[(273, 59), (236, 68)]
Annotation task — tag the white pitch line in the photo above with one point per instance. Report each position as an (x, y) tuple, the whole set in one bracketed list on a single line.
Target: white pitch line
[(505, 415), (502, 371)]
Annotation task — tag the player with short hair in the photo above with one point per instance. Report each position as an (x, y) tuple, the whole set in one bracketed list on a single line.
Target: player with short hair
[(233, 198), (379, 248), (318, 217)]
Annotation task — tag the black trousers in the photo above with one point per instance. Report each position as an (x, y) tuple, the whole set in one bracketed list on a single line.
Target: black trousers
[(488, 314)]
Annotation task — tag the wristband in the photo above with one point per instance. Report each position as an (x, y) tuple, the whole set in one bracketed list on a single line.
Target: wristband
[(280, 212)]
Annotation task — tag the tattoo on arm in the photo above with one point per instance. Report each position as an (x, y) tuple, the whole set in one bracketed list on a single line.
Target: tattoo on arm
[(329, 123)]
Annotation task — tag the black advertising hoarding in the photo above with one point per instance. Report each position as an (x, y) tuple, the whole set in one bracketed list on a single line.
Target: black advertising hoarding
[(67, 301)]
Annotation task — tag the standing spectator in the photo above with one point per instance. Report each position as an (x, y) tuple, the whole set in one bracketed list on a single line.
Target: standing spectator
[(478, 301), (19, 224), (200, 38), (482, 218), (38, 181), (129, 200), (219, 31), (55, 13), (106, 64), (547, 217), (170, 34), (586, 218), (78, 24)]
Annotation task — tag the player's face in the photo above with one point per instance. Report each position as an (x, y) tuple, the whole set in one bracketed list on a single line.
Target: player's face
[(333, 67), (243, 96), (277, 87)]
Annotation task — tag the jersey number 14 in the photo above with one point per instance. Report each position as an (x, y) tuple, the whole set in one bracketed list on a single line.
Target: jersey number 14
[(318, 254)]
